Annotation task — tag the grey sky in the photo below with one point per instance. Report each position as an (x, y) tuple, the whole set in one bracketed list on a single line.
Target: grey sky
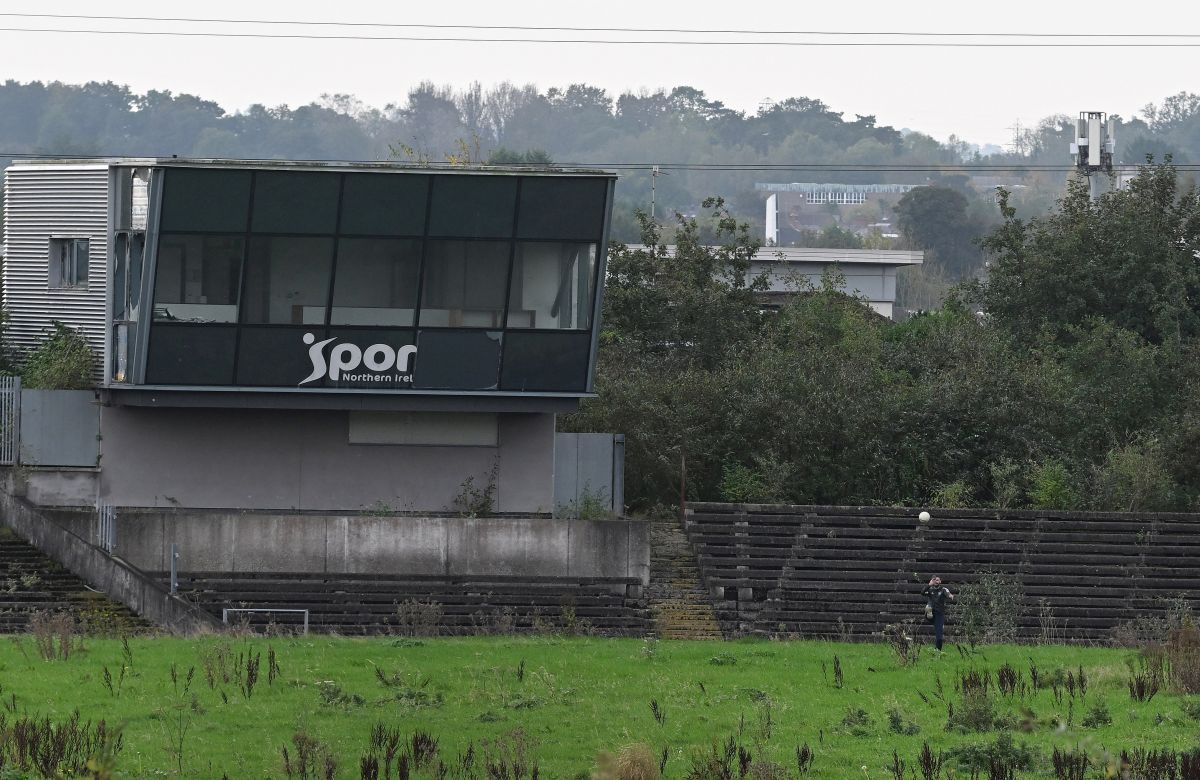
[(976, 93)]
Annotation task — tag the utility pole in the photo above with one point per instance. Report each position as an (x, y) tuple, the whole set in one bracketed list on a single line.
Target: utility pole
[(654, 174), (1095, 142)]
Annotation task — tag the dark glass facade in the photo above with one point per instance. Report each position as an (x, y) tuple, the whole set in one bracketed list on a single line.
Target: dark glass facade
[(375, 280)]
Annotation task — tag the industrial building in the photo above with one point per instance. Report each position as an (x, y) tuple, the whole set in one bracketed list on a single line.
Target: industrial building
[(296, 360)]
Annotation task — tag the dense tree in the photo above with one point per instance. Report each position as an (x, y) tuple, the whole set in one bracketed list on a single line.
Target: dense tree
[(938, 220), (1128, 258), (1079, 392)]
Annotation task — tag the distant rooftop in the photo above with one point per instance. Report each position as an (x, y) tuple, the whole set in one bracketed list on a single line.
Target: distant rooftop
[(808, 187), (788, 254)]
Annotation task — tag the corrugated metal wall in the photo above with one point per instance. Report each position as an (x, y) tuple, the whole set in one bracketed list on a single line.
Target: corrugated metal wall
[(41, 201)]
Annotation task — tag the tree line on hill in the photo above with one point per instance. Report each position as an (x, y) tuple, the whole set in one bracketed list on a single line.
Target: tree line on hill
[(579, 123), (1069, 378)]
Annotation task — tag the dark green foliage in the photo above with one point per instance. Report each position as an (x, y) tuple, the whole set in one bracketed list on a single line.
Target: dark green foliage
[(1126, 260), (1070, 391), (63, 361), (937, 219), (1097, 716), (1004, 752)]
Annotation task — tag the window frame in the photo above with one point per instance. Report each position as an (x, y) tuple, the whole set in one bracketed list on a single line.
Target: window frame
[(63, 266)]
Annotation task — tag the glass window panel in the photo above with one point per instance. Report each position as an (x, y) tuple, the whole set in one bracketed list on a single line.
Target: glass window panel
[(279, 357), (205, 200), (197, 278), (473, 206), (457, 360), (553, 207), (80, 255), (382, 204), (464, 285), (119, 281), (295, 202), (287, 280), (137, 258), (546, 361), (382, 359), (552, 286), (376, 281), (190, 354)]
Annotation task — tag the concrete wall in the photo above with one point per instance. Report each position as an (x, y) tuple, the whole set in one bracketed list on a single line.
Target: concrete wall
[(299, 460), (367, 544), (58, 486)]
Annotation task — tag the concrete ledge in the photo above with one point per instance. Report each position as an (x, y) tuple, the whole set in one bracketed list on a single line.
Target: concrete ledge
[(262, 541), (118, 579)]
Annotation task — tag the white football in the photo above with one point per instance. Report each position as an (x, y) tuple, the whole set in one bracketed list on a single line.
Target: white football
[(924, 517)]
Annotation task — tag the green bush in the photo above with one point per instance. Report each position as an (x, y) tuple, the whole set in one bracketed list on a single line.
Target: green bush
[(1004, 752), (1134, 478), (954, 495), (63, 361), (1052, 487), (988, 609)]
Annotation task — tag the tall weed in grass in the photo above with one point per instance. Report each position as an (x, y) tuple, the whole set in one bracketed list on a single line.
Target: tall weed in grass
[(1146, 676), (899, 637), (632, 762), (989, 608), (54, 634), (418, 618), (1182, 650), (178, 714), (1069, 764), (309, 759), (29, 744)]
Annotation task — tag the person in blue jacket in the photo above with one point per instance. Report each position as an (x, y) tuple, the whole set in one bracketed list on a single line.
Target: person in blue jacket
[(936, 595)]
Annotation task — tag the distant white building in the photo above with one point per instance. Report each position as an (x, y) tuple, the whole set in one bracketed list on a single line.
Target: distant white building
[(869, 273)]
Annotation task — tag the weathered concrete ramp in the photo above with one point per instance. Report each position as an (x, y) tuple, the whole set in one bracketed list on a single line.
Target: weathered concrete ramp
[(119, 580), (32, 583), (848, 571)]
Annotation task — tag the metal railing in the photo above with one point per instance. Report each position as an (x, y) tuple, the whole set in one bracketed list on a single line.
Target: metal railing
[(227, 610), (10, 419), (106, 528)]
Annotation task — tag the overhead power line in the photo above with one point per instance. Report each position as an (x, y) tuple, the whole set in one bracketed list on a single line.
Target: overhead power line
[(547, 28), (1156, 43)]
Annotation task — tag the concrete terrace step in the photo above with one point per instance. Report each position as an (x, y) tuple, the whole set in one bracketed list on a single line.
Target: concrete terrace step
[(32, 583), (826, 571), (380, 604), (678, 599)]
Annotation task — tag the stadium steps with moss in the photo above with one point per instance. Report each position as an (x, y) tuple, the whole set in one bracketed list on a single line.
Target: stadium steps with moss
[(32, 583), (366, 604), (678, 599), (847, 572)]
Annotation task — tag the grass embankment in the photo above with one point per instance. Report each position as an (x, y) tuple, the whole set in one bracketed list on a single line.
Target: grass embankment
[(573, 698)]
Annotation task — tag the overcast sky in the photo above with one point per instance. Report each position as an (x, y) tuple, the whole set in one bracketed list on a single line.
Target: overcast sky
[(977, 93)]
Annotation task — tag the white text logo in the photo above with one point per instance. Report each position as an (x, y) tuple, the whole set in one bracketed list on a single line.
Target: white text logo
[(378, 359)]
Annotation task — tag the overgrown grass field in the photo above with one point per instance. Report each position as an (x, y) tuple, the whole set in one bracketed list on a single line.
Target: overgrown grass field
[(563, 701)]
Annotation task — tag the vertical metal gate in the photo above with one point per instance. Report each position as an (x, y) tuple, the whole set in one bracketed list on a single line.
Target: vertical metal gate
[(106, 527), (10, 419)]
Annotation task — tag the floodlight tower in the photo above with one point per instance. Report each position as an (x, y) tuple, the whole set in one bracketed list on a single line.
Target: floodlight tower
[(1095, 142)]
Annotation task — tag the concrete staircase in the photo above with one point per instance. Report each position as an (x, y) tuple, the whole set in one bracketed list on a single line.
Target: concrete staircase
[(31, 583), (679, 602)]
